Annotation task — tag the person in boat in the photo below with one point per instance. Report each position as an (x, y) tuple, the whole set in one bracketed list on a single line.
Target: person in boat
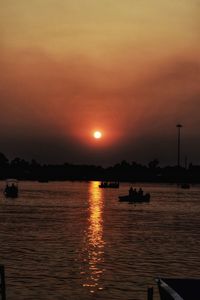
[(134, 192), (6, 189), (131, 191), (140, 192), (11, 189)]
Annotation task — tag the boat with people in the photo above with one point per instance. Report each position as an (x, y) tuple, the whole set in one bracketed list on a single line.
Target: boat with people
[(178, 288), (135, 196), (106, 184), (11, 189)]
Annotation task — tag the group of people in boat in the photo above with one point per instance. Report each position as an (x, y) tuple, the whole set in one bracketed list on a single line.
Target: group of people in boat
[(11, 190), (134, 192)]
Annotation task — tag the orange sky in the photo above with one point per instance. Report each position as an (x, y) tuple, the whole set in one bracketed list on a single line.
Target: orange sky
[(130, 68)]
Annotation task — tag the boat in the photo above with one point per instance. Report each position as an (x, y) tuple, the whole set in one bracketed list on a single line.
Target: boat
[(178, 288), (113, 185), (135, 198), (185, 186), (11, 189)]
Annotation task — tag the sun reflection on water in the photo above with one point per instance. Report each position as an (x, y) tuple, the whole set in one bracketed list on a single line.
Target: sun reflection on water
[(94, 238)]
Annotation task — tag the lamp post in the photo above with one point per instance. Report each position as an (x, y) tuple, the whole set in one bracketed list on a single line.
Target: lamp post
[(179, 137)]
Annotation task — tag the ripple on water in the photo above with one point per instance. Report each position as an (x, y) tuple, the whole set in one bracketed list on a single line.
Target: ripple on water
[(72, 240)]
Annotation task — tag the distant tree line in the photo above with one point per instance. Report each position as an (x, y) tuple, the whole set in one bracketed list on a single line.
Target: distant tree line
[(124, 171)]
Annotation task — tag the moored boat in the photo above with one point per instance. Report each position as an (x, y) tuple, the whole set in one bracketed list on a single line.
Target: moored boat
[(178, 288), (113, 185), (11, 189)]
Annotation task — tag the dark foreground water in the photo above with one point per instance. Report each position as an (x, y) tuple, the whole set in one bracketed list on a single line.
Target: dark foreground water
[(72, 240)]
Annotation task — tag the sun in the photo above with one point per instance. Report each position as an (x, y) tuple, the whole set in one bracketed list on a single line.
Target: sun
[(97, 134)]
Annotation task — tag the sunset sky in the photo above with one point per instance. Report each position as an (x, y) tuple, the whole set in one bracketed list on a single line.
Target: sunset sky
[(130, 69)]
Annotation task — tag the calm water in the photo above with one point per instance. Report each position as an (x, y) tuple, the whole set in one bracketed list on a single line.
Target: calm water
[(72, 240)]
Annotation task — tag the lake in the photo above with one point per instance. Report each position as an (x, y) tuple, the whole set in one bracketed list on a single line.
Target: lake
[(73, 240)]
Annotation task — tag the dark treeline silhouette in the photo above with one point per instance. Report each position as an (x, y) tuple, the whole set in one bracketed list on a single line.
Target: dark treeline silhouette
[(124, 171)]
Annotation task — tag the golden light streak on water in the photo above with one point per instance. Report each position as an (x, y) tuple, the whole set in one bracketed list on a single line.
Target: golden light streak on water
[(95, 240)]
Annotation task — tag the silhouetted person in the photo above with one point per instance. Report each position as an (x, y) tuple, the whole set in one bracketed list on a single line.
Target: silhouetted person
[(131, 191), (140, 192), (7, 188), (134, 192)]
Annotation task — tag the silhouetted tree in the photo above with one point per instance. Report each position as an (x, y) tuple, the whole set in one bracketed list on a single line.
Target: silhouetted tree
[(34, 163), (123, 171), (19, 163), (4, 162), (153, 164), (124, 164)]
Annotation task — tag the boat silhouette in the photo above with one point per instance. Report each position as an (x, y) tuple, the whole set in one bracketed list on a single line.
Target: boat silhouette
[(113, 185), (135, 198), (178, 288), (11, 189)]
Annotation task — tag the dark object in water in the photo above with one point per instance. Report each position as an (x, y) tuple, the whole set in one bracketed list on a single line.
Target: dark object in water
[(178, 289), (113, 185), (11, 189), (135, 198), (185, 186)]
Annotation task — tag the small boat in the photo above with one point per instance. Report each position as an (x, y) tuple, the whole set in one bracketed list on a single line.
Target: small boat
[(112, 185), (178, 288), (135, 198), (185, 186), (11, 189)]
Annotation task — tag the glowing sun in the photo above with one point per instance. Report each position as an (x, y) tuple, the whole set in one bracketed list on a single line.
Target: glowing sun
[(97, 134)]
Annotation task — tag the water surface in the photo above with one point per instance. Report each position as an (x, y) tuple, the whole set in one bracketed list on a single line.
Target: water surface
[(73, 240)]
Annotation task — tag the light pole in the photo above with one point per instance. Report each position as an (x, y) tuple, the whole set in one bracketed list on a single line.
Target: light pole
[(179, 137)]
